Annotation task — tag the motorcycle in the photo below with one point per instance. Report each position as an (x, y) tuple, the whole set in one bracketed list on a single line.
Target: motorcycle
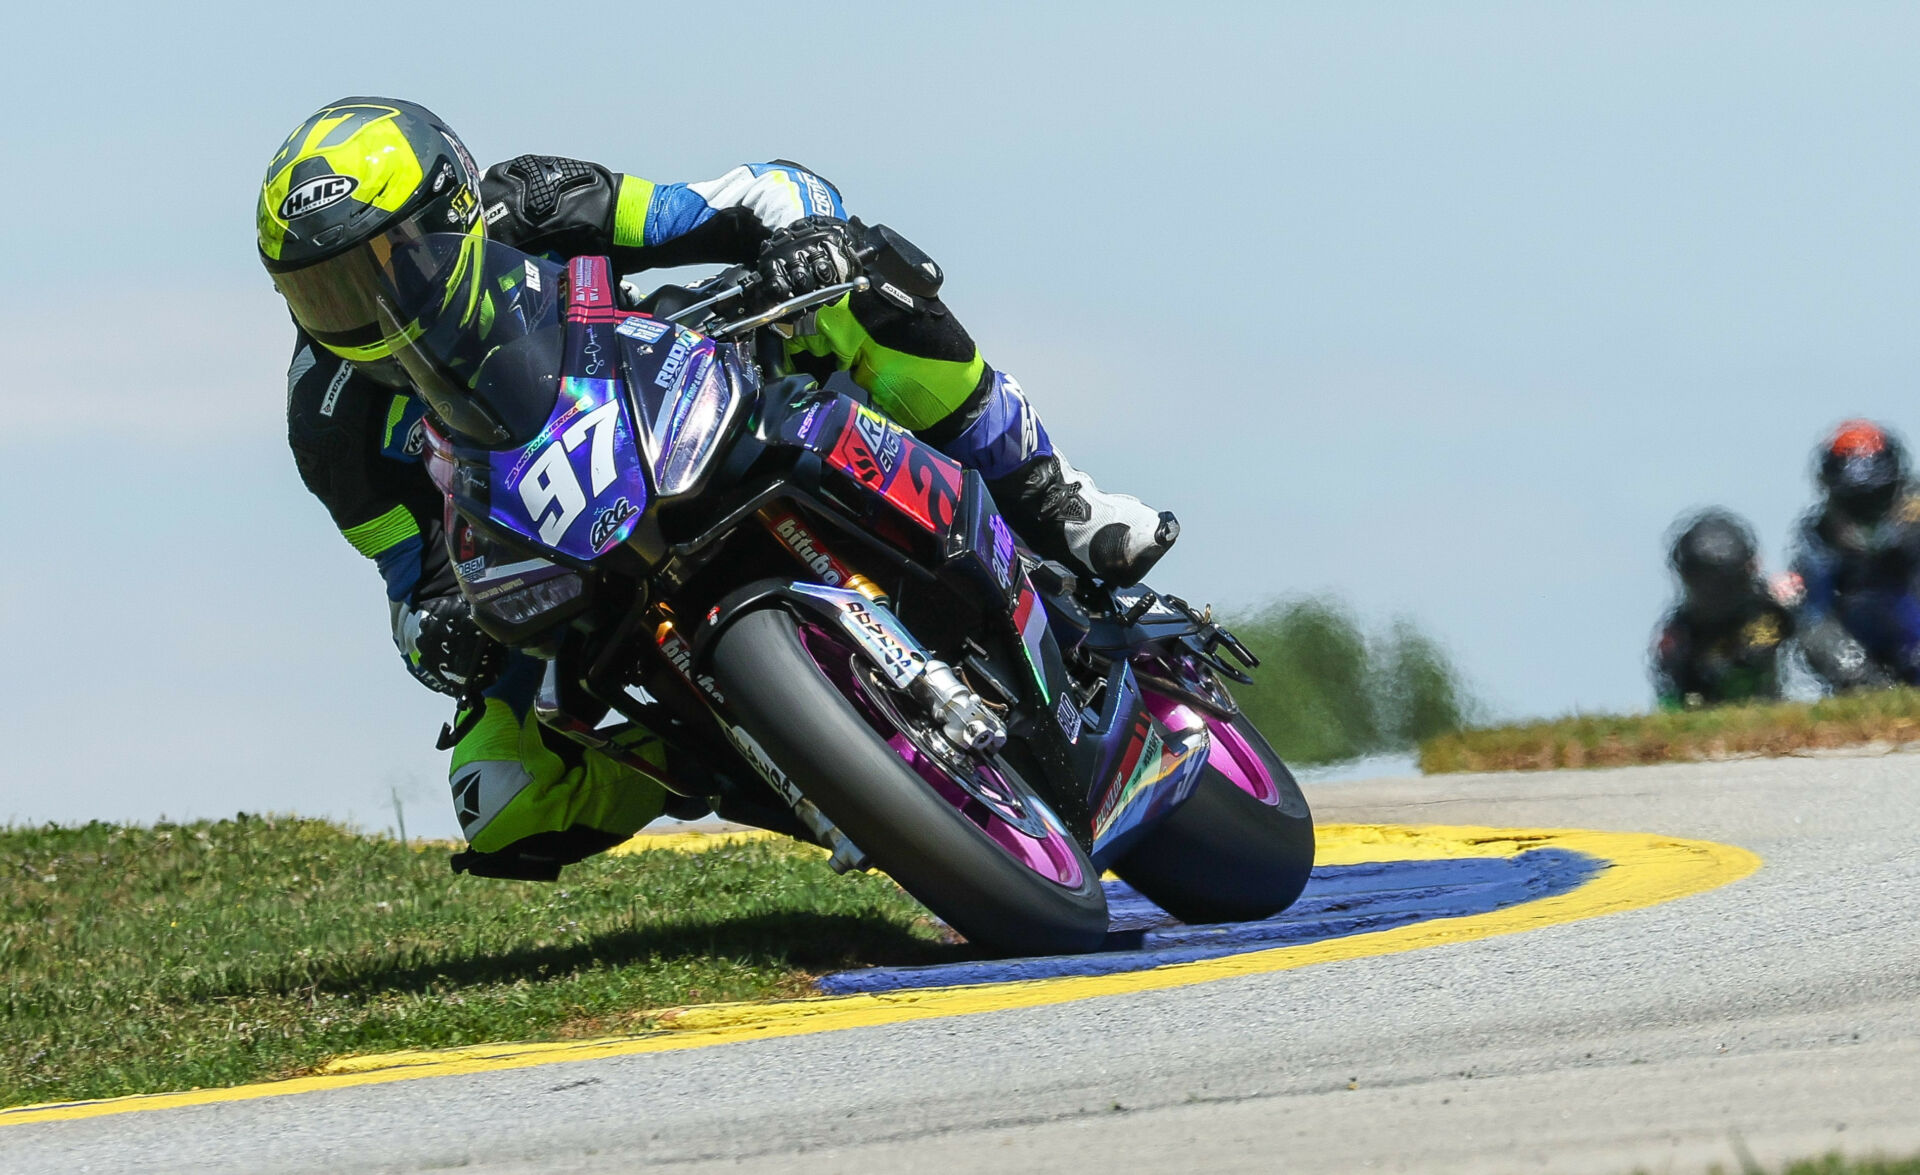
[(826, 620)]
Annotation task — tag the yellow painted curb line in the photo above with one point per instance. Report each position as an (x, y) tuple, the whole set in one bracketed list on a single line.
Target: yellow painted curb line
[(1643, 870)]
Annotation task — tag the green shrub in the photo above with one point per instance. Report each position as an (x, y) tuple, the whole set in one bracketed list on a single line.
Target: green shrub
[(1326, 691)]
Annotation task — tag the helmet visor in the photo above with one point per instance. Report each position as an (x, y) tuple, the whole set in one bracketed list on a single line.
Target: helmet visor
[(333, 299)]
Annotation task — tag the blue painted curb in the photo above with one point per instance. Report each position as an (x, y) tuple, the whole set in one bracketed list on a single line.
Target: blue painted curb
[(1339, 900)]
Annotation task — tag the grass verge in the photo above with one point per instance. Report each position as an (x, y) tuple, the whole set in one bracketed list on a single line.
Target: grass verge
[(1833, 1164), (136, 960), (1607, 740)]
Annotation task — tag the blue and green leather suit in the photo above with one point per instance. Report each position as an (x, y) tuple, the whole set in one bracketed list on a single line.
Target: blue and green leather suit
[(1863, 580)]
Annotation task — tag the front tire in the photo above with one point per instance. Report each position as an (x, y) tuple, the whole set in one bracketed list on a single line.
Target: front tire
[(810, 728), (1225, 855)]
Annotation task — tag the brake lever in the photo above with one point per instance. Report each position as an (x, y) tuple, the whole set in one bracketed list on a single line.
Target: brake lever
[(780, 310), (733, 291)]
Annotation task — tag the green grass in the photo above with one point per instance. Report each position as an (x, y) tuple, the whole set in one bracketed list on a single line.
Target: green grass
[(1834, 1164), (136, 960), (1608, 740)]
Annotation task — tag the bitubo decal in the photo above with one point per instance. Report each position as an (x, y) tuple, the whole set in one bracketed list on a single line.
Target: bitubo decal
[(801, 542), (681, 656), (317, 193)]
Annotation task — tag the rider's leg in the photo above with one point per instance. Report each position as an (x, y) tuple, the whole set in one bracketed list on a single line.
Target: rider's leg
[(529, 801), (922, 369)]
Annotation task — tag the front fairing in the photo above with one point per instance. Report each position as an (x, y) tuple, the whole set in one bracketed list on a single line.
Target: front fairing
[(576, 488), (631, 410)]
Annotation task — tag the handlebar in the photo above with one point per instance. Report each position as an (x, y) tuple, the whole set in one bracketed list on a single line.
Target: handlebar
[(779, 310)]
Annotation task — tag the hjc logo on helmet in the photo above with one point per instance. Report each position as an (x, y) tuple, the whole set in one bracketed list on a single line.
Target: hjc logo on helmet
[(316, 194)]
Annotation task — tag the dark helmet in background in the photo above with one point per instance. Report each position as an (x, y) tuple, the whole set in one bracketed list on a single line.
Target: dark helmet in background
[(356, 182), (1863, 470), (1718, 565)]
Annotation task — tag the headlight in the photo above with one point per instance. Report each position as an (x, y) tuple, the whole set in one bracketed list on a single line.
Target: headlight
[(699, 416)]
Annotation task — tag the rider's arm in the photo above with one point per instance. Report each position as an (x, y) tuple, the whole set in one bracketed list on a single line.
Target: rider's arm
[(566, 207), (1818, 566), (351, 438)]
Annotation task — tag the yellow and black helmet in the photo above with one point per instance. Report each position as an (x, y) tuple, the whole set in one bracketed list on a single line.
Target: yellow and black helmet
[(357, 180)]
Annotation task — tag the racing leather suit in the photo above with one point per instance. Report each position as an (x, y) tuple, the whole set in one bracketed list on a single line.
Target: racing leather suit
[(1859, 618), (1700, 661), (528, 801)]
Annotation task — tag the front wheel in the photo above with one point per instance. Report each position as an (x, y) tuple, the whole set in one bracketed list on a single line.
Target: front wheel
[(981, 851), (1240, 848)]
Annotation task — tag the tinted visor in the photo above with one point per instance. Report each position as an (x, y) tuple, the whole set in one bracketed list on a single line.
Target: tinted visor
[(334, 300), (1866, 503)]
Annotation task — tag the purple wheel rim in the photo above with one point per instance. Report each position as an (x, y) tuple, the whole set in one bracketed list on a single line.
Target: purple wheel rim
[(1231, 755), (1052, 856)]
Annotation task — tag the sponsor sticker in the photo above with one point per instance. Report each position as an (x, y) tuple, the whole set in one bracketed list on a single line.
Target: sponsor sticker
[(315, 194), (532, 270), (676, 358), (883, 439), (1146, 769), (901, 663), (1068, 715), (680, 655), (1002, 553), (800, 540), (647, 330), (607, 524), (339, 380), (763, 763), (818, 193), (596, 362)]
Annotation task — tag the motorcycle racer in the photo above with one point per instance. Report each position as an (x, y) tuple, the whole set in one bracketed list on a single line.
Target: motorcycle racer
[(1857, 558), (363, 175), (1721, 642)]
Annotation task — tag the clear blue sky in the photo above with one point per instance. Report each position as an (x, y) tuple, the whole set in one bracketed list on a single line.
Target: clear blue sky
[(1448, 309)]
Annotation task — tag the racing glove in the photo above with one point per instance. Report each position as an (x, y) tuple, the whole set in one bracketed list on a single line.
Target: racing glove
[(810, 253), (443, 645)]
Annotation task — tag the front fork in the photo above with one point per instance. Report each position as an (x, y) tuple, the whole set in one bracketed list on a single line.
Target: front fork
[(866, 614)]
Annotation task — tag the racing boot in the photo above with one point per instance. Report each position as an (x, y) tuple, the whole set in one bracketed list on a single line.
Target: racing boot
[(1056, 508)]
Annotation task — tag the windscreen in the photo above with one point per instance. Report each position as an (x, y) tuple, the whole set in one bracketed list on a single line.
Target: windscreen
[(482, 331)]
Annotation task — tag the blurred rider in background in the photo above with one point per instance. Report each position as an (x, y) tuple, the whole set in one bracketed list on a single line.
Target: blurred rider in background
[(1721, 642), (363, 176), (1857, 560)]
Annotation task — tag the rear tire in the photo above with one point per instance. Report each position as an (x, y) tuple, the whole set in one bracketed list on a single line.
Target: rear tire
[(780, 697), (1224, 856)]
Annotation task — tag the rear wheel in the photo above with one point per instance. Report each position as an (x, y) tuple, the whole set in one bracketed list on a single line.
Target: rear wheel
[(1241, 847), (965, 835)]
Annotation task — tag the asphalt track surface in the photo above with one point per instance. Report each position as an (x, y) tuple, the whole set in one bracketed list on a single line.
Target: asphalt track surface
[(1780, 1013)]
